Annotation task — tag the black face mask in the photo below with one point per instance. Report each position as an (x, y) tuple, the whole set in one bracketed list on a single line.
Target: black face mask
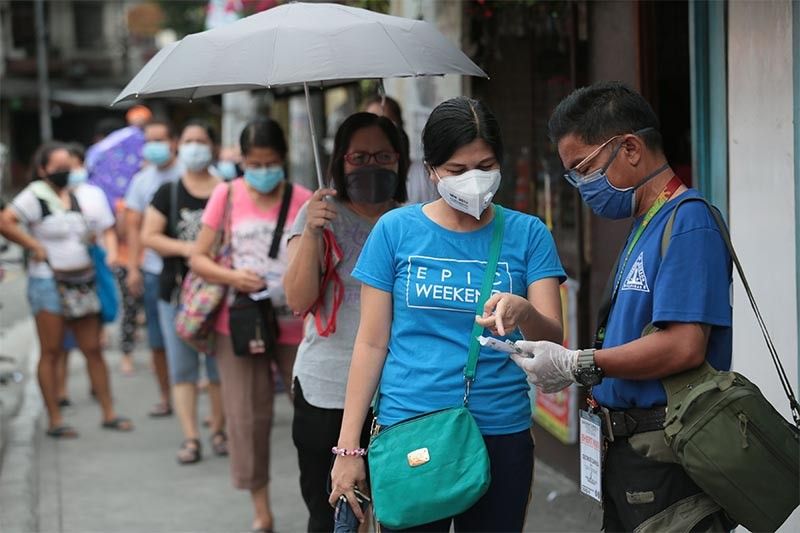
[(59, 179), (371, 185)]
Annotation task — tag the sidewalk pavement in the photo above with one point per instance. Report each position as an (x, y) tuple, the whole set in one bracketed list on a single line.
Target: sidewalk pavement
[(106, 481)]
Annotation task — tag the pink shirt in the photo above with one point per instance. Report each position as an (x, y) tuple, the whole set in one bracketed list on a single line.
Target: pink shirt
[(251, 237)]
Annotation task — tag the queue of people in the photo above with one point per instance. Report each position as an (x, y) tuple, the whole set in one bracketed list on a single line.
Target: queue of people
[(368, 306)]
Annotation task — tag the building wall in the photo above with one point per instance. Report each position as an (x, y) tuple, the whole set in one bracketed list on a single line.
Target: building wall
[(613, 55), (762, 210), (418, 96)]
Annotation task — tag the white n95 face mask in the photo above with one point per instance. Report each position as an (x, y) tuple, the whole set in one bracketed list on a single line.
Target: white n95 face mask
[(470, 192)]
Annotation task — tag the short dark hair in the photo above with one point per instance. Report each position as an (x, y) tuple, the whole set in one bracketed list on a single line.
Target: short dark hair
[(341, 143), (209, 129), (600, 111), (161, 122), (455, 123), (42, 156), (389, 104), (77, 150), (263, 133)]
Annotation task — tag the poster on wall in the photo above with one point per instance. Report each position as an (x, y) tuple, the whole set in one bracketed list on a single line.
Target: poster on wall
[(558, 412)]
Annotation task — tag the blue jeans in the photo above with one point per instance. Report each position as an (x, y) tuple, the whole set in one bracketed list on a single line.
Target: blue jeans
[(155, 337), (183, 360), (43, 296)]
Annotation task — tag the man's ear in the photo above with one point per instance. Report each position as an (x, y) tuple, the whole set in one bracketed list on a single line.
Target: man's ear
[(633, 148)]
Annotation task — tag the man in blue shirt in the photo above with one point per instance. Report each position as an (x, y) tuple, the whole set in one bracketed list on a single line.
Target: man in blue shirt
[(667, 314)]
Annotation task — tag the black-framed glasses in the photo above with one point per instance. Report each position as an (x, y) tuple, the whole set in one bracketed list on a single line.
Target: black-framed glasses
[(384, 157)]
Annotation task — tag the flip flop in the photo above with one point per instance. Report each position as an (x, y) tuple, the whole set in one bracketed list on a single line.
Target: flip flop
[(62, 432), (189, 452), (119, 423), (160, 410), (219, 443)]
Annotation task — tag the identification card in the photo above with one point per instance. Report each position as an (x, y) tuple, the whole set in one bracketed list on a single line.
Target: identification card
[(591, 449)]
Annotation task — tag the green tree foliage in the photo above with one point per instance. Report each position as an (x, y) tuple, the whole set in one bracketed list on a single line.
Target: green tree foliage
[(184, 16)]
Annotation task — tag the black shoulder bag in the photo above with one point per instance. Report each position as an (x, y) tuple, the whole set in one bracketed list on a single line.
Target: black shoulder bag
[(254, 323)]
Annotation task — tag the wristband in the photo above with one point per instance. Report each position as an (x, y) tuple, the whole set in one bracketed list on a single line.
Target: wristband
[(344, 452)]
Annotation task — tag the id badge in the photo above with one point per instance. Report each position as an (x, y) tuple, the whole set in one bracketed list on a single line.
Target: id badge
[(591, 450)]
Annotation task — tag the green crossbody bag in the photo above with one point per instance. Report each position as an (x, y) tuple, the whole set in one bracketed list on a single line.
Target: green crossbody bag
[(727, 436), (435, 465)]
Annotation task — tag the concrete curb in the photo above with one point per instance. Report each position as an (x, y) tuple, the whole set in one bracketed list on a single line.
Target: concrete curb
[(18, 470), (15, 343)]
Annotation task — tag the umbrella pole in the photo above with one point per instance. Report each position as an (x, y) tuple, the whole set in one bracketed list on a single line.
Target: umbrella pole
[(314, 143)]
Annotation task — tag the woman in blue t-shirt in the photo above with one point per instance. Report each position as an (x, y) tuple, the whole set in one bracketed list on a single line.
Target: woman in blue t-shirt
[(421, 271)]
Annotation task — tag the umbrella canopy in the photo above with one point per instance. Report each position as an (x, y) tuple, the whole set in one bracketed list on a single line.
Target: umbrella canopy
[(298, 43), (113, 161)]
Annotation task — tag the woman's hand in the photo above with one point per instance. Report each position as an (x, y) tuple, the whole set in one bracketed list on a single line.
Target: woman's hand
[(38, 253), (247, 281), (348, 472), (319, 211), (504, 312)]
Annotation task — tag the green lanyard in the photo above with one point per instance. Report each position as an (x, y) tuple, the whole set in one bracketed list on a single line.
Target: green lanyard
[(660, 202)]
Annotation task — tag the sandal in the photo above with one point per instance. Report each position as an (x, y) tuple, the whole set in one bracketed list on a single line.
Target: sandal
[(64, 402), (62, 432), (160, 410), (189, 452), (219, 443), (119, 423)]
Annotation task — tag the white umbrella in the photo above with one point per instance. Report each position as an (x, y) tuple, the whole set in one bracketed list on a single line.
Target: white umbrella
[(298, 43)]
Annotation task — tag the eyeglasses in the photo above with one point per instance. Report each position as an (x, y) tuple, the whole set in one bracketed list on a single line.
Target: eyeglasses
[(577, 178), (359, 159)]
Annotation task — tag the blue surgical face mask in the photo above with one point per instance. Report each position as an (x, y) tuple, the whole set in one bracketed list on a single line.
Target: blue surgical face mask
[(227, 169), (611, 202), (264, 179), (195, 156), (156, 152), (76, 176)]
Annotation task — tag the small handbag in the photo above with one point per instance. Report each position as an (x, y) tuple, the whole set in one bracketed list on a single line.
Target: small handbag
[(254, 326), (252, 321), (200, 301), (435, 465), (77, 292)]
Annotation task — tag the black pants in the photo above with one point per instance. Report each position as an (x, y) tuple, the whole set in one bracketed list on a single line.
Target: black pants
[(314, 432), (503, 507), (130, 309), (636, 488)]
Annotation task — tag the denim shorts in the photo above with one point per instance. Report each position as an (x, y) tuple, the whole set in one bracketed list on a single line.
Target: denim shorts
[(155, 337), (43, 296), (183, 360)]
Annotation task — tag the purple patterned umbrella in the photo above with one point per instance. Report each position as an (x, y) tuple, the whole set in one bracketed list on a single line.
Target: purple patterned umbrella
[(113, 161)]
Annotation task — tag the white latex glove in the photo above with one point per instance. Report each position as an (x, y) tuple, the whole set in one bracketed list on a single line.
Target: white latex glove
[(549, 366)]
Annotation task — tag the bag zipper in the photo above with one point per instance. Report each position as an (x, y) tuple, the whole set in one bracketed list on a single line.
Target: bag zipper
[(779, 455), (734, 395), (412, 419)]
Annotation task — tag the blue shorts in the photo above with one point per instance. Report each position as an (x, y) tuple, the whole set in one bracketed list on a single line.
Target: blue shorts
[(155, 337), (43, 296), (183, 360)]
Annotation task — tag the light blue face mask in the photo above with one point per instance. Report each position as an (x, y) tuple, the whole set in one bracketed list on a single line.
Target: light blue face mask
[(76, 176), (264, 179), (156, 152), (227, 169)]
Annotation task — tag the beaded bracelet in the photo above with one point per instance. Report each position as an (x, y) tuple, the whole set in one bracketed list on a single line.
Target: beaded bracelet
[(343, 452)]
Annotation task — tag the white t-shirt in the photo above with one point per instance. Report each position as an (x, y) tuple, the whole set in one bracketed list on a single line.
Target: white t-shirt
[(63, 233)]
